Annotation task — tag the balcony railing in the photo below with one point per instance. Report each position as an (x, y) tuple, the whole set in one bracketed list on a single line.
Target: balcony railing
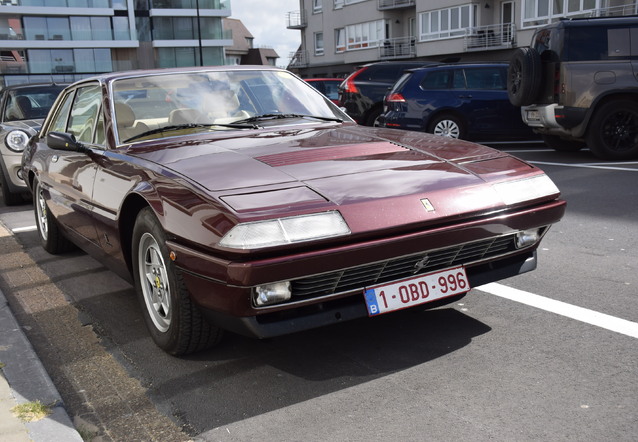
[(481, 38), (298, 59), (296, 19), (394, 4), (630, 9), (402, 47)]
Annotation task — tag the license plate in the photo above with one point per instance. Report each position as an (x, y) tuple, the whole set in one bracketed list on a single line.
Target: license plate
[(409, 292), (533, 115)]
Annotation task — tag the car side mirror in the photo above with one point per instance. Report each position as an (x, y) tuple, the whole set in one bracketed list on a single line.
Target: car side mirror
[(65, 141)]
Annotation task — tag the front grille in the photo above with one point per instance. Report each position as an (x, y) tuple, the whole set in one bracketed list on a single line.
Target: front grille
[(356, 278)]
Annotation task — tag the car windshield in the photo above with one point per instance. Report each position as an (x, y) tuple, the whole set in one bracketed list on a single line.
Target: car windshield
[(167, 104), (31, 103)]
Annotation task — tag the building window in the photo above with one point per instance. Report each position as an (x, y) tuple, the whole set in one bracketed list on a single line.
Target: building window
[(338, 4), (540, 12), (365, 35), (318, 43), (445, 23), (340, 40), (316, 6)]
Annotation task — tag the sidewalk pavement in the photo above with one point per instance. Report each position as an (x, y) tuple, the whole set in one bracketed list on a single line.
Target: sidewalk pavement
[(24, 379)]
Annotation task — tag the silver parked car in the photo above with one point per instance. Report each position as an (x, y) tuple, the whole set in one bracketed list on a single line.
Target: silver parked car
[(22, 110)]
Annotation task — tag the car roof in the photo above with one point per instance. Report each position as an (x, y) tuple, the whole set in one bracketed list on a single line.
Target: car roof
[(111, 76), (32, 85), (460, 65), (592, 21)]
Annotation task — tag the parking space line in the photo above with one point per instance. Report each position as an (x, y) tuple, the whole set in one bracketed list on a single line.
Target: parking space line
[(562, 308), (611, 166)]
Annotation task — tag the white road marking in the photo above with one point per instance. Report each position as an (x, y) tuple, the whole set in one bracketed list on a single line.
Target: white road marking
[(562, 308), (610, 166), (24, 229)]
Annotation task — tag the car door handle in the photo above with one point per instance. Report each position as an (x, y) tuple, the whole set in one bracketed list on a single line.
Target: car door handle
[(465, 96)]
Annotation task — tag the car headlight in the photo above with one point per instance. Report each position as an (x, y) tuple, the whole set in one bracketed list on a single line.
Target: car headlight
[(526, 189), (280, 231), (17, 140)]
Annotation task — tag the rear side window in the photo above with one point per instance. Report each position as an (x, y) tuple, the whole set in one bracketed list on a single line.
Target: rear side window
[(487, 78), (597, 43), (441, 79)]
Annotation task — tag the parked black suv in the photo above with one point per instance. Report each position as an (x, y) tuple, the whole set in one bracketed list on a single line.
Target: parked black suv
[(362, 92), (578, 87)]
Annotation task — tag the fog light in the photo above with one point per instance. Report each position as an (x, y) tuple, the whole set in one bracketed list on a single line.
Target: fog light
[(272, 293), (527, 238)]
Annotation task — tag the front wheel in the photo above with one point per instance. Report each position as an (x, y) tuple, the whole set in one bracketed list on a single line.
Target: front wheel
[(613, 131), (51, 237), (9, 198), (449, 126), (175, 323)]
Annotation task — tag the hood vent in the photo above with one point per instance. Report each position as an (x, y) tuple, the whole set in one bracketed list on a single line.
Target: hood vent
[(329, 154)]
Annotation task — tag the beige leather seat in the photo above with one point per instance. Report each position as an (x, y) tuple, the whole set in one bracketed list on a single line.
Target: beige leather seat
[(126, 125), (185, 116)]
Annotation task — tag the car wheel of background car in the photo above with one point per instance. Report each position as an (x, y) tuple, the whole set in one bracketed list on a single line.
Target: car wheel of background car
[(563, 145), (447, 125), (613, 131), (524, 77), (51, 237), (174, 321), (373, 117), (9, 198)]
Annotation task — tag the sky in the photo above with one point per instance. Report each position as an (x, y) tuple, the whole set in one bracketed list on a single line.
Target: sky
[(266, 21)]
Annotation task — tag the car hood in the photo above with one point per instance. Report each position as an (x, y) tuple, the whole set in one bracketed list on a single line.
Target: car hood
[(355, 168), (28, 125)]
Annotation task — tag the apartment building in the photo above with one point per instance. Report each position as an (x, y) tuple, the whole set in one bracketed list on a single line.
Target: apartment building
[(66, 40), (339, 35)]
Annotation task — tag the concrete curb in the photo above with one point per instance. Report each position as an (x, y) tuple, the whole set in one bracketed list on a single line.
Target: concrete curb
[(28, 381)]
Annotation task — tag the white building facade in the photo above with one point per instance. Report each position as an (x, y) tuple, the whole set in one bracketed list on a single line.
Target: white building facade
[(338, 35)]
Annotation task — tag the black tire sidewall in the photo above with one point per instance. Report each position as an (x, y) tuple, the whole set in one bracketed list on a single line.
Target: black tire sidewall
[(595, 139)]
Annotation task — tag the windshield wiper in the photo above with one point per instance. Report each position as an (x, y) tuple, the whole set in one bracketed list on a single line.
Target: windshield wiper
[(282, 116), (241, 125)]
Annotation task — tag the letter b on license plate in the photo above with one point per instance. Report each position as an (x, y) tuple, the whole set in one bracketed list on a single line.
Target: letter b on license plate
[(414, 291)]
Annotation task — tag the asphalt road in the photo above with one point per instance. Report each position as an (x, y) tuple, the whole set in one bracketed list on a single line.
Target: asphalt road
[(491, 367)]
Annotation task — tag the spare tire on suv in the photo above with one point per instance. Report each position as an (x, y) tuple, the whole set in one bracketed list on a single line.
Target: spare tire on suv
[(524, 77), (577, 87)]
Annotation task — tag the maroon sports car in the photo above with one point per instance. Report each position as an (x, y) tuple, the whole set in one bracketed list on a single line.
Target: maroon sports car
[(239, 198)]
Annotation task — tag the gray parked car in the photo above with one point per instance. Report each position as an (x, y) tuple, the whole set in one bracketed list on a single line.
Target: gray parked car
[(22, 110), (577, 85)]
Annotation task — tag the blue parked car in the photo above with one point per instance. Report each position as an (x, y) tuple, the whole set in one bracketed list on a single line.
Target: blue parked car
[(466, 101)]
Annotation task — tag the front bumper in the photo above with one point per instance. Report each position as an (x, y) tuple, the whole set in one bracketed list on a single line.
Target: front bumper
[(223, 289), (11, 168)]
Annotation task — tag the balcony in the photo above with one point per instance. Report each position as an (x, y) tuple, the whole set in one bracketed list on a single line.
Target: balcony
[(394, 4), (298, 59), (630, 9), (492, 37), (296, 20), (402, 47)]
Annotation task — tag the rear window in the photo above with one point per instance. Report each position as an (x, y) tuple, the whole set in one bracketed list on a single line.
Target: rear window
[(440, 79)]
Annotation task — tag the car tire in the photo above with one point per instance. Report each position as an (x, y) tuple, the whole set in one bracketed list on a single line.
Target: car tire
[(9, 198), (175, 323), (447, 125), (563, 145), (613, 131), (51, 236), (524, 77), (373, 117)]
